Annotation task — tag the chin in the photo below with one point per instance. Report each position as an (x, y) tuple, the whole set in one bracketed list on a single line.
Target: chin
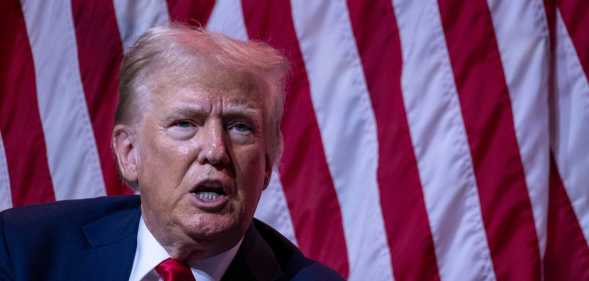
[(214, 227)]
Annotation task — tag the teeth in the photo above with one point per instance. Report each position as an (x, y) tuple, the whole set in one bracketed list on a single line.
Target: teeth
[(207, 195)]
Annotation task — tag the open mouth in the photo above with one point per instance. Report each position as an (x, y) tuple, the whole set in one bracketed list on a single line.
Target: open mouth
[(208, 196), (211, 192)]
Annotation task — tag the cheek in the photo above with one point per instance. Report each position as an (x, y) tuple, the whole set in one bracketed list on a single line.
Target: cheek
[(250, 160), (163, 163), (167, 151), (163, 170), (251, 167)]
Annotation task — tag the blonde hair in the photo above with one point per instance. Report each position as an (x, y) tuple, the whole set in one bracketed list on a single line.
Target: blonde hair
[(177, 48)]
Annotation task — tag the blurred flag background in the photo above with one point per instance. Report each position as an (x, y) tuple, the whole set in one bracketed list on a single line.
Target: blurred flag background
[(424, 139)]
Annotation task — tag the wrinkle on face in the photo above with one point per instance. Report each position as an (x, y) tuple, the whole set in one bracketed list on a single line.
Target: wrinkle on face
[(172, 163)]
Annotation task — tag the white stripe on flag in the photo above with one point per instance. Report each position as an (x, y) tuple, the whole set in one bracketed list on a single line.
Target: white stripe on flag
[(273, 209), (571, 128), (522, 36), (136, 17), (71, 147), (348, 130), (5, 193), (441, 145), (227, 18)]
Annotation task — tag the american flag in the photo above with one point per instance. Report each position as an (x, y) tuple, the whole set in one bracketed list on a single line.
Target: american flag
[(424, 139)]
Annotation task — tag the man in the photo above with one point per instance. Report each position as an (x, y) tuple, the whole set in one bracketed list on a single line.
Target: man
[(197, 133)]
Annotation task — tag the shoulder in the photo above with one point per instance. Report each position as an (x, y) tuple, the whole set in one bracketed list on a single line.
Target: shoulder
[(58, 221), (293, 263), (47, 220), (65, 207), (70, 212), (317, 272), (41, 236)]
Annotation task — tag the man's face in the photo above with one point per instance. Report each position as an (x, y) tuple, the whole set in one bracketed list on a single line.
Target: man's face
[(201, 162)]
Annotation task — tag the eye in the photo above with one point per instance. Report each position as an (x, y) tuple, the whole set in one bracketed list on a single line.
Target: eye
[(182, 129), (241, 128), (183, 124)]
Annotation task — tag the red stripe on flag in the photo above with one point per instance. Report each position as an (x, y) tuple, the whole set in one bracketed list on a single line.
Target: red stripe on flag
[(408, 233), (305, 176), (567, 253), (20, 122), (575, 14), (193, 12), (488, 119), (99, 56)]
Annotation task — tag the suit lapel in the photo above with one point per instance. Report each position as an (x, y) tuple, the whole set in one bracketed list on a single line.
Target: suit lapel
[(254, 260), (112, 241)]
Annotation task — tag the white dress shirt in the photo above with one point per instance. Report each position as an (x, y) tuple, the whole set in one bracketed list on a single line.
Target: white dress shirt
[(150, 253)]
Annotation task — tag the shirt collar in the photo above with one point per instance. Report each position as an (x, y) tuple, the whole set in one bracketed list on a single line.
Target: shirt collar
[(150, 253)]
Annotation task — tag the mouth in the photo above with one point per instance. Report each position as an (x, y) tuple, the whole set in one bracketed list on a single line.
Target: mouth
[(210, 194)]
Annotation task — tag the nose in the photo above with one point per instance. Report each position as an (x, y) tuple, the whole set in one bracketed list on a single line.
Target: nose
[(213, 148)]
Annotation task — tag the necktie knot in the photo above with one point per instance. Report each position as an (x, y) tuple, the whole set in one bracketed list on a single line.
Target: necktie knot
[(174, 270)]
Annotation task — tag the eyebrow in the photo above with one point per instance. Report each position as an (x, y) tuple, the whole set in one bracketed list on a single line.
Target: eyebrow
[(242, 103), (240, 108), (233, 109), (188, 111)]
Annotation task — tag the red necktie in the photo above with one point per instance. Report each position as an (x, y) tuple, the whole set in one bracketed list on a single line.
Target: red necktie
[(174, 270)]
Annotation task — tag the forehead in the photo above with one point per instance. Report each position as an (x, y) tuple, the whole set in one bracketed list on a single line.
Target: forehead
[(205, 74), (200, 91)]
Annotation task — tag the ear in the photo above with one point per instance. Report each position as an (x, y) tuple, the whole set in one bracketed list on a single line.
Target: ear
[(267, 171), (125, 149)]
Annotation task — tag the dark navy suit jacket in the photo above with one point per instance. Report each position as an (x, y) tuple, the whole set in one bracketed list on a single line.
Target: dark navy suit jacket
[(95, 239)]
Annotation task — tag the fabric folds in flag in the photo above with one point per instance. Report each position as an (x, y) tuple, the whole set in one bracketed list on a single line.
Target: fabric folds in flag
[(424, 140)]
